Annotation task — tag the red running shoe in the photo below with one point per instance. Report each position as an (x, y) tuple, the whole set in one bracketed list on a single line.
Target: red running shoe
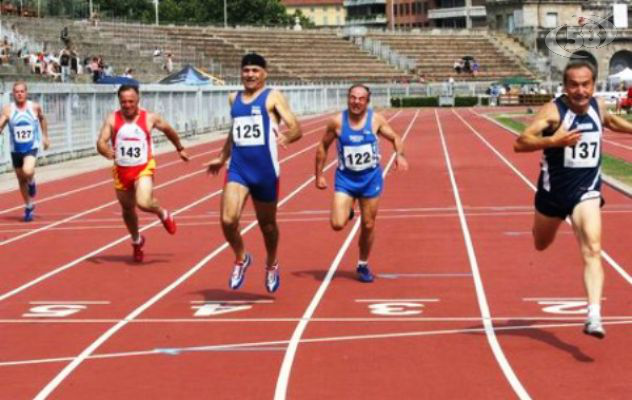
[(138, 250), (169, 223)]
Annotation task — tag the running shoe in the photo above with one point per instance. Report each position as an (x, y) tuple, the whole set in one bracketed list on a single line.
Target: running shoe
[(239, 273), (273, 278), (29, 213), (593, 327), (364, 274), (32, 188), (169, 223), (138, 250)]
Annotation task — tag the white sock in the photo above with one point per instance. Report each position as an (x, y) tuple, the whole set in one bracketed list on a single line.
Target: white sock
[(137, 241), (594, 311), (164, 214), (362, 263), (29, 204)]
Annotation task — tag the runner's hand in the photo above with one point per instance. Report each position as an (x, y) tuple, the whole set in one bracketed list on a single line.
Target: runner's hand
[(183, 155), (109, 154), (321, 182), (213, 166), (563, 138), (282, 140), (401, 164), (46, 143)]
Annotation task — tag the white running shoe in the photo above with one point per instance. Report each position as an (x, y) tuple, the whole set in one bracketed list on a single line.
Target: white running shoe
[(239, 273), (593, 327), (273, 278)]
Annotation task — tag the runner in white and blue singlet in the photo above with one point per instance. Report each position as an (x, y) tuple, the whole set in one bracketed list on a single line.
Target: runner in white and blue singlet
[(253, 168), (27, 130), (359, 174), (569, 131)]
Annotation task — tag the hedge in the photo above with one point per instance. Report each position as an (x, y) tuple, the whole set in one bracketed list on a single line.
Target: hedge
[(468, 101)]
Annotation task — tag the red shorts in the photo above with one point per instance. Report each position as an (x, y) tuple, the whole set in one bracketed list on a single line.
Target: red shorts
[(126, 177)]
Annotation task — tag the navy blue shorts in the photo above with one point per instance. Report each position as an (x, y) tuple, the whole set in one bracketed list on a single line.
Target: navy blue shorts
[(562, 205), (18, 158), (365, 185), (264, 188)]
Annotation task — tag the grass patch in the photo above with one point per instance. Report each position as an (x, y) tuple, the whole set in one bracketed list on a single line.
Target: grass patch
[(511, 123), (611, 166), (617, 168)]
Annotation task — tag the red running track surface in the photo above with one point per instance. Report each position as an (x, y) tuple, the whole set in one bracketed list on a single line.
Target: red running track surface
[(462, 306)]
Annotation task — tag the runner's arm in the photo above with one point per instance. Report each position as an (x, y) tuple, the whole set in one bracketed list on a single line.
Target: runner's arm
[(171, 134), (283, 109), (384, 129), (614, 122), (531, 138), (103, 142), (44, 125), (321, 152), (4, 118)]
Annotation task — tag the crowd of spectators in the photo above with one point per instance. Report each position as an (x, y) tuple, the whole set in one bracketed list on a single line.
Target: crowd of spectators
[(466, 65)]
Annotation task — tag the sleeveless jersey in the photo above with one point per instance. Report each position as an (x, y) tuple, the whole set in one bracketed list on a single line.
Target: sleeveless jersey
[(131, 141), (254, 150), (565, 169), (24, 128), (358, 150)]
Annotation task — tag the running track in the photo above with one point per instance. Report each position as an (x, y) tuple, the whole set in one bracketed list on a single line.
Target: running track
[(615, 144), (462, 308)]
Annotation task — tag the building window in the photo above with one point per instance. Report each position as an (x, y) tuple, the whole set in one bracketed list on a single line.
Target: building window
[(550, 20)]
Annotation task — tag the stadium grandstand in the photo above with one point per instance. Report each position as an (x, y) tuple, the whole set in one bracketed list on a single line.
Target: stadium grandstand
[(491, 138)]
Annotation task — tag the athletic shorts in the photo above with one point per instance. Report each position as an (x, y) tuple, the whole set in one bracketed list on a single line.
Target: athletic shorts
[(18, 158), (562, 205), (264, 188), (126, 177), (364, 185)]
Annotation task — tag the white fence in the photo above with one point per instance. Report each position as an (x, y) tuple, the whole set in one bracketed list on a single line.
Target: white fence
[(75, 112)]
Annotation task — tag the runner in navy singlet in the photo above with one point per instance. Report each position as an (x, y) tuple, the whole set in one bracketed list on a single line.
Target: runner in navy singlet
[(569, 131)]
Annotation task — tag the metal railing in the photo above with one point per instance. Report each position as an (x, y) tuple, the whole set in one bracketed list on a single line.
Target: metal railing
[(384, 52), (75, 113)]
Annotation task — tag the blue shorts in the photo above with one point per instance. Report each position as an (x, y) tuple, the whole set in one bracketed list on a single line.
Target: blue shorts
[(360, 185), (18, 158), (562, 205), (262, 188)]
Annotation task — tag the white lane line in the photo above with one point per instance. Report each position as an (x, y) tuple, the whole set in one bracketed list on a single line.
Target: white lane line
[(109, 181), (280, 392), (267, 344), (617, 144), (93, 185), (478, 282), (388, 300), (205, 320), (68, 302), (231, 301), (71, 264), (76, 361), (615, 265), (438, 275), (81, 214)]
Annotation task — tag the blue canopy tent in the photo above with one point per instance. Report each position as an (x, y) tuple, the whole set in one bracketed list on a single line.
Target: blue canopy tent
[(190, 76), (117, 80)]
